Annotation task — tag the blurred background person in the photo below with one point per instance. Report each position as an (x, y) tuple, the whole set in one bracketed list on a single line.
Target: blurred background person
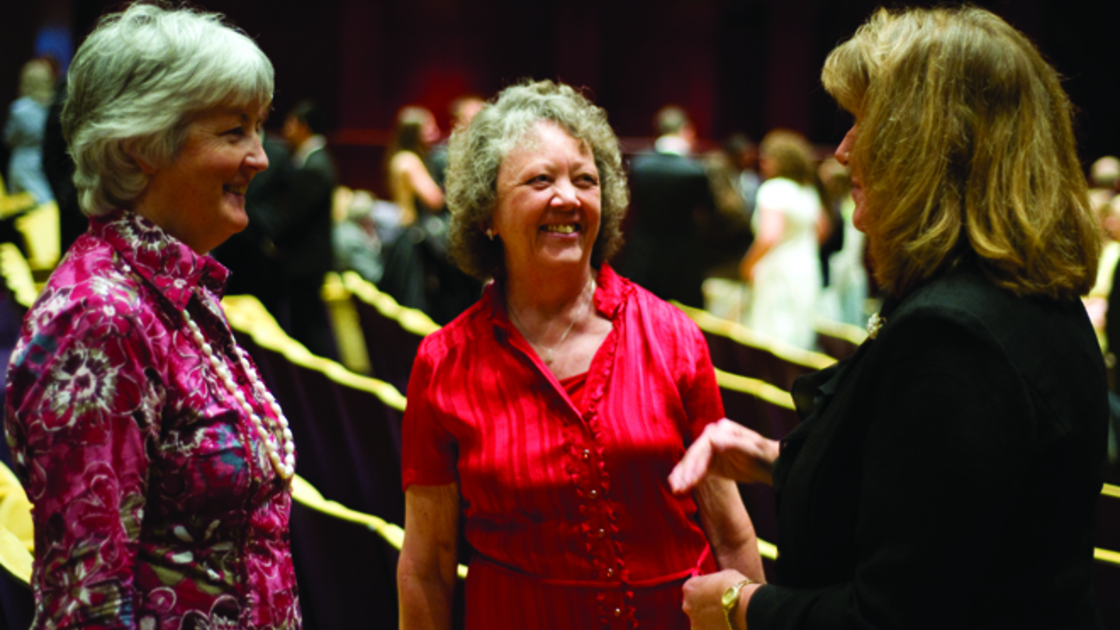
[(357, 233), (783, 264), (1104, 174), (23, 131), (411, 186), (418, 271), (303, 238), (845, 297), (726, 235), (158, 463), (462, 111), (744, 155), (672, 200)]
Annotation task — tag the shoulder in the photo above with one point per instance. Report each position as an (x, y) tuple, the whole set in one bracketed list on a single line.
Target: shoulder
[(404, 161), (664, 323), (92, 280), (778, 187), (321, 162), (459, 334), (965, 296), (1049, 345), (91, 317), (667, 162)]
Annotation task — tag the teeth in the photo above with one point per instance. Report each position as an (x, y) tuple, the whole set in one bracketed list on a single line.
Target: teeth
[(237, 190), (566, 228)]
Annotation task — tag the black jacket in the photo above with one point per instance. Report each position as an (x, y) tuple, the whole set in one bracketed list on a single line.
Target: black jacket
[(946, 475)]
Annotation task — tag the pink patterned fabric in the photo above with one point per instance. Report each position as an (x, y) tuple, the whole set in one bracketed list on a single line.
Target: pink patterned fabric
[(568, 506), (155, 504)]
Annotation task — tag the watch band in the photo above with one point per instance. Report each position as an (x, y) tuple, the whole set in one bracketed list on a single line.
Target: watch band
[(730, 600)]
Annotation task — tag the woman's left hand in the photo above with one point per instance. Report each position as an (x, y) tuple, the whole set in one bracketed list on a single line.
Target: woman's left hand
[(703, 600)]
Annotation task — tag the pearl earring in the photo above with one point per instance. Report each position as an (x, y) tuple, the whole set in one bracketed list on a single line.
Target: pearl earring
[(490, 233)]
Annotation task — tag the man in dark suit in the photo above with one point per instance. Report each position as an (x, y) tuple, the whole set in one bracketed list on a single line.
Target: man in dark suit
[(303, 241), (671, 199)]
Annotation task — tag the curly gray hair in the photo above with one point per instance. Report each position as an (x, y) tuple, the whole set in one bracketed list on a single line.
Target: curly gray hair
[(136, 84), (477, 152)]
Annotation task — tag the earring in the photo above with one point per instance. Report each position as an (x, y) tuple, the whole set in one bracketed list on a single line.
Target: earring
[(490, 233)]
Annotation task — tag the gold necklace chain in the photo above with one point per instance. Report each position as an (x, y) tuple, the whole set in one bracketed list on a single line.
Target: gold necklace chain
[(582, 312)]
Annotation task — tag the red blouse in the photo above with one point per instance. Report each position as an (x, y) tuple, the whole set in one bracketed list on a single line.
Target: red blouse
[(569, 511)]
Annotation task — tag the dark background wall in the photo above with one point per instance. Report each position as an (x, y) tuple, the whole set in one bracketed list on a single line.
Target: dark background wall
[(746, 65)]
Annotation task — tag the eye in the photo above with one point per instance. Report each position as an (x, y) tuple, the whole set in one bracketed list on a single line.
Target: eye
[(588, 179), (537, 180)]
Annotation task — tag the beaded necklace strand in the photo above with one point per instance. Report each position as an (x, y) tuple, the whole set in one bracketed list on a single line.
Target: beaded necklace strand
[(270, 432)]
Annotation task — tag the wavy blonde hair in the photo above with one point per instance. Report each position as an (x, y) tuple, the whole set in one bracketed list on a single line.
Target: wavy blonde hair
[(965, 149)]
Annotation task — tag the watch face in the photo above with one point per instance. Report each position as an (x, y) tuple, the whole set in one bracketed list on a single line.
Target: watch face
[(731, 596)]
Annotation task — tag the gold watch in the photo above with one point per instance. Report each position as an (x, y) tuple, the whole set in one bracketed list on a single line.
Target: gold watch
[(730, 599)]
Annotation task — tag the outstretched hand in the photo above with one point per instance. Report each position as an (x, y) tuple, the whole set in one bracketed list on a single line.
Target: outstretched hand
[(727, 449)]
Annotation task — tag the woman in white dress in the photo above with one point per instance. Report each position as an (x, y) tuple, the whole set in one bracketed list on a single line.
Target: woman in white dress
[(783, 263)]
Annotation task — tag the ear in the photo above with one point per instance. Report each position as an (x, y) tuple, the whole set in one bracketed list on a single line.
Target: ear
[(147, 167)]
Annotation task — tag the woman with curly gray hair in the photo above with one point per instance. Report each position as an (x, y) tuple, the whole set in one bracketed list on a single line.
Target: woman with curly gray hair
[(548, 415), (159, 465)]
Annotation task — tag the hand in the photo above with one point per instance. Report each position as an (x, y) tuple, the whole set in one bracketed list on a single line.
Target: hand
[(703, 600), (728, 449)]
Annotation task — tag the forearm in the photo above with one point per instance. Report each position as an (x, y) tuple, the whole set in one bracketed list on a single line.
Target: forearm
[(426, 571), (758, 249), (728, 526), (425, 598)]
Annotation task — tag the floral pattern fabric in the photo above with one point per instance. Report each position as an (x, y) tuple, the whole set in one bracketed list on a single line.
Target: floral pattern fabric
[(155, 504)]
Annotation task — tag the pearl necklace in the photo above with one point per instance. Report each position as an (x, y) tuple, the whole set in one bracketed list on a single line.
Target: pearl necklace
[(875, 324), (582, 312), (284, 464)]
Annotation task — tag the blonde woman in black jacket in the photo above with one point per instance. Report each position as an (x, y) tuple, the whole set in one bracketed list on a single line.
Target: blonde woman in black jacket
[(946, 475)]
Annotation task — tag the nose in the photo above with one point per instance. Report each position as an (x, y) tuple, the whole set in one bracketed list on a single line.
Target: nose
[(566, 194), (844, 151), (257, 159)]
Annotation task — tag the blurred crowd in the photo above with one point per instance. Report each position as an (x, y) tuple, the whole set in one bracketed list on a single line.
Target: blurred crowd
[(759, 233)]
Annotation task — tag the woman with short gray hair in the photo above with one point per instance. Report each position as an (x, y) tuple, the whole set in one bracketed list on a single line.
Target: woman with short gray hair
[(548, 415), (159, 465)]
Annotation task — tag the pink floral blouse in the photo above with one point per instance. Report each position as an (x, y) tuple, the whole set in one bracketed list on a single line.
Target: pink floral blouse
[(155, 504)]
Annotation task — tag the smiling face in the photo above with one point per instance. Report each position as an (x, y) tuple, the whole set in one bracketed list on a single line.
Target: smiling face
[(199, 198), (548, 208)]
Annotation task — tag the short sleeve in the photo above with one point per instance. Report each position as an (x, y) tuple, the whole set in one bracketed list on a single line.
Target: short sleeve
[(777, 194), (700, 392), (429, 452)]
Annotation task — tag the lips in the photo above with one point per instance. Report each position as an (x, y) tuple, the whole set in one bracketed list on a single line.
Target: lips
[(237, 190)]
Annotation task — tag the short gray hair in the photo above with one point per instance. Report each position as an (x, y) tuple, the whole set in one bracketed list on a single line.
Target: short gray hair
[(137, 82), (477, 152)]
